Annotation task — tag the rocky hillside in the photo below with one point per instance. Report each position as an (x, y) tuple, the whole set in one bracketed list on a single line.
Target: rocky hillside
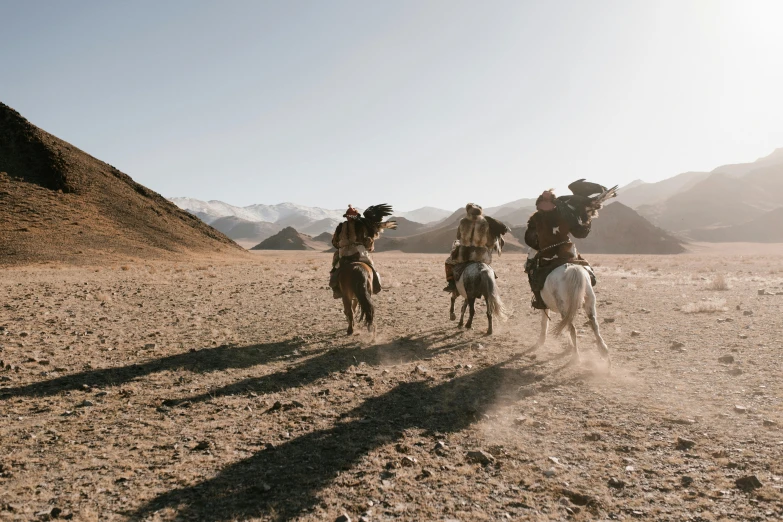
[(58, 203)]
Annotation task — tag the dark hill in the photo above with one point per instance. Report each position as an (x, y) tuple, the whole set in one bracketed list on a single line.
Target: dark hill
[(58, 203), (286, 239), (405, 227), (620, 230), (325, 237)]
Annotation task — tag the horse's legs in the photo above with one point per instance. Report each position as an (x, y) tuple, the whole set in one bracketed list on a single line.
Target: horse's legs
[(462, 315), (471, 304), (572, 332), (452, 315), (489, 320), (348, 308), (544, 327), (591, 316)]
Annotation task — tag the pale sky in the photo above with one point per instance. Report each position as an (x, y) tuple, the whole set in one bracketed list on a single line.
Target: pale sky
[(417, 103)]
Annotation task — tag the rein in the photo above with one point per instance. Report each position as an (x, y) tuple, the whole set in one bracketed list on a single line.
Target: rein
[(555, 245)]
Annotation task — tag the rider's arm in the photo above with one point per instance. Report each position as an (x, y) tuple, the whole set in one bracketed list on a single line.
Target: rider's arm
[(336, 236), (531, 234), (581, 230)]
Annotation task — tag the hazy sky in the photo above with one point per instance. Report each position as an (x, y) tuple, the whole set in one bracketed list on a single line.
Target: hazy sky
[(416, 103)]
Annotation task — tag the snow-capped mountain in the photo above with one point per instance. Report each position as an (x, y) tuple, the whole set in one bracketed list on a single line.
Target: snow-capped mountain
[(283, 213), (209, 211), (289, 214)]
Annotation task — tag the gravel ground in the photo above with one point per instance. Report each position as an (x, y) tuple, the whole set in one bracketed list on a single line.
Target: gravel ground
[(229, 391)]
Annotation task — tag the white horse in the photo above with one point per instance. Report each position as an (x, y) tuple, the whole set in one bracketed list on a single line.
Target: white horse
[(566, 290)]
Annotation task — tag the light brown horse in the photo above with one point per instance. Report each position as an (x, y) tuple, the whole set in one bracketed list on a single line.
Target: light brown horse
[(355, 280)]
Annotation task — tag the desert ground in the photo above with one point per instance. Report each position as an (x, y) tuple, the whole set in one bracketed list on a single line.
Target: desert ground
[(227, 390)]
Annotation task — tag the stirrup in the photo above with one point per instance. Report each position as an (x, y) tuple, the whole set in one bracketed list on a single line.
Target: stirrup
[(538, 305)]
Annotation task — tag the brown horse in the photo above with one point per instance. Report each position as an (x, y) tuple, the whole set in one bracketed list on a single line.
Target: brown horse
[(355, 280)]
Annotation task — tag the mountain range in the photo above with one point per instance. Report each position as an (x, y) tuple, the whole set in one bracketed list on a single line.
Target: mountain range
[(702, 206), (254, 223), (621, 231), (58, 203)]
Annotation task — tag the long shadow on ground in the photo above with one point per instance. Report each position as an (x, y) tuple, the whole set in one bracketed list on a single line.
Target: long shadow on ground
[(310, 370), (204, 360), (298, 470)]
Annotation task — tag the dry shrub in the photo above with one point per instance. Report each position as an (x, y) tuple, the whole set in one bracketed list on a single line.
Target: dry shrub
[(718, 283), (705, 307)]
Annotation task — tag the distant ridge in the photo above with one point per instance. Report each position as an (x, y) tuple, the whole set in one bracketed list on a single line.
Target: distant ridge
[(619, 229), (766, 228), (58, 203), (309, 220), (240, 229)]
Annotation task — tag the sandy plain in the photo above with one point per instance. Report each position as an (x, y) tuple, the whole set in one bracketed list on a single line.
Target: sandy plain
[(228, 390)]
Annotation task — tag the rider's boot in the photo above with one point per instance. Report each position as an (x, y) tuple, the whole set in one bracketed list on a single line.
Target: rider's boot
[(537, 302), (333, 283), (376, 282), (451, 286)]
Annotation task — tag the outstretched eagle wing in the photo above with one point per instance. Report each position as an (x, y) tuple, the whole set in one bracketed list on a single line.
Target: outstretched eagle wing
[(586, 189), (497, 229), (373, 217), (376, 213)]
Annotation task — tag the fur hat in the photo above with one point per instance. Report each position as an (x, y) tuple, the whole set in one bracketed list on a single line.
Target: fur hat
[(546, 201), (351, 212), (474, 210)]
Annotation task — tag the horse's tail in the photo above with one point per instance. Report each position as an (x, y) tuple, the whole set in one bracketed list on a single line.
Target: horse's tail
[(492, 295), (576, 281), (362, 289)]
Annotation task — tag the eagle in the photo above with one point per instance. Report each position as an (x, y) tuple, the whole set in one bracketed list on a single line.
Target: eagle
[(497, 229), (588, 196), (372, 218)]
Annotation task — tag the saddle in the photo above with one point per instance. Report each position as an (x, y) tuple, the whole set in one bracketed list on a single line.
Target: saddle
[(538, 269), (359, 257), (460, 267)]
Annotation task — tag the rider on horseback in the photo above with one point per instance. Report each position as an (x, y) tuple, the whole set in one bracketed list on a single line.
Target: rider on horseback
[(354, 240), (477, 236), (549, 228)]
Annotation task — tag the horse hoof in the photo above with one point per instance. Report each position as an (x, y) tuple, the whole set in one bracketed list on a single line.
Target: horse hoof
[(489, 332), (453, 317), (350, 331), (459, 325)]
